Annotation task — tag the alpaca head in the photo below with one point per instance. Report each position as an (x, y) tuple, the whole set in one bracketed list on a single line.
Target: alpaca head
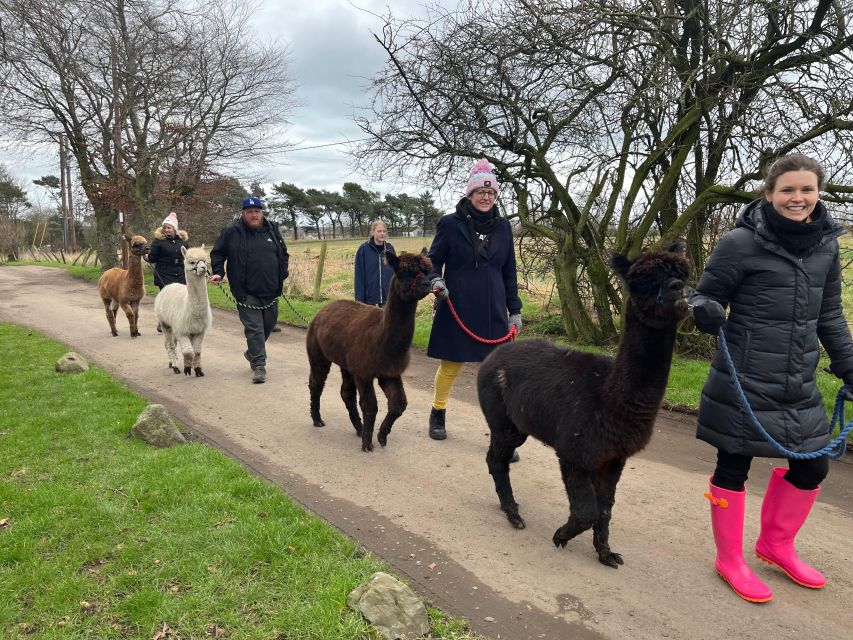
[(196, 261), (138, 245), (656, 284), (411, 274)]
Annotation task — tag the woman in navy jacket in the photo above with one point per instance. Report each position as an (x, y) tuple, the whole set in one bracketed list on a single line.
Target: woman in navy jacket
[(474, 260), (372, 273)]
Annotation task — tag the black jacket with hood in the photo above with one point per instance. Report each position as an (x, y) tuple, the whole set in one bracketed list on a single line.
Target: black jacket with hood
[(779, 305), (166, 256), (233, 246)]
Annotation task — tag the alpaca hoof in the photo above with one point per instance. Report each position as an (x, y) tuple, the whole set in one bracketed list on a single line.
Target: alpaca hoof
[(611, 559), (382, 438), (516, 520), (318, 422), (135, 335), (198, 372), (188, 371), (367, 447), (114, 332), (175, 370)]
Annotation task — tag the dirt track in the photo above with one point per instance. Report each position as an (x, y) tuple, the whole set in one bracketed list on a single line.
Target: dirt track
[(429, 508)]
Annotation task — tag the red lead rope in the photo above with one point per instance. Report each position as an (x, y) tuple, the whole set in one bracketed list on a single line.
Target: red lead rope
[(509, 336)]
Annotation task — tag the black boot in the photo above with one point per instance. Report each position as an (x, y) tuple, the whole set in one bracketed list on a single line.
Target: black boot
[(436, 424)]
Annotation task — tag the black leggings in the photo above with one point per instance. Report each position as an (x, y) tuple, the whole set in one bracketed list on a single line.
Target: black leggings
[(732, 471)]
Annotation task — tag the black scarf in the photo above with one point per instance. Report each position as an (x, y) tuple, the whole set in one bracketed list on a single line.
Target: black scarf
[(798, 238), (481, 226)]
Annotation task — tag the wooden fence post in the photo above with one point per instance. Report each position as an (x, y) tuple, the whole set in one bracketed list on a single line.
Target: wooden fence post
[(318, 277)]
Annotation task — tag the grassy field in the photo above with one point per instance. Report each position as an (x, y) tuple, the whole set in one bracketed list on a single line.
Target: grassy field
[(105, 537), (685, 382)]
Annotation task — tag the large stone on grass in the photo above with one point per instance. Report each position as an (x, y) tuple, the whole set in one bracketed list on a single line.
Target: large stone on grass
[(391, 607), (72, 362), (155, 426)]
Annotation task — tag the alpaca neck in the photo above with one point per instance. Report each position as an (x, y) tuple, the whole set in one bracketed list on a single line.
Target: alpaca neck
[(398, 322), (134, 269), (641, 367), (196, 291)]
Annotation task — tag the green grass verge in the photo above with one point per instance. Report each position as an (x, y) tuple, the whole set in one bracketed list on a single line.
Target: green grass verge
[(102, 536)]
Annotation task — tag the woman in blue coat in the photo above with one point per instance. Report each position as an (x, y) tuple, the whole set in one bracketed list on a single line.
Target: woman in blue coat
[(474, 261), (372, 273), (779, 274)]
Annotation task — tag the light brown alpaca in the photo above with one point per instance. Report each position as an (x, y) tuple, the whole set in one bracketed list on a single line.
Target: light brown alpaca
[(125, 288)]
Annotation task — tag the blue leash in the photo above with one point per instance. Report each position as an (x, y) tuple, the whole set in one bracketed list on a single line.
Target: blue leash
[(839, 441)]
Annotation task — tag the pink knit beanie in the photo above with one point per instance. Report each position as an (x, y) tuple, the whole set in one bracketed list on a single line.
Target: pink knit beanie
[(171, 220), (482, 177)]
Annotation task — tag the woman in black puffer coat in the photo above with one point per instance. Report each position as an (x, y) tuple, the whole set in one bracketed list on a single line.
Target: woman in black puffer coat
[(779, 274), (165, 253)]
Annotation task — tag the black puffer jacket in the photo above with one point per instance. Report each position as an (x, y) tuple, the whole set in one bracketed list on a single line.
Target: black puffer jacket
[(779, 306), (166, 256), (232, 247)]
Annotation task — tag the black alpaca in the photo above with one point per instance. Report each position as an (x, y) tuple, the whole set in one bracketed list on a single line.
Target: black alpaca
[(595, 411), (368, 342)]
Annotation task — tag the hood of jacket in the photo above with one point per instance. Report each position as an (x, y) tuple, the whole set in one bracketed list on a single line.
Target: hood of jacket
[(160, 235)]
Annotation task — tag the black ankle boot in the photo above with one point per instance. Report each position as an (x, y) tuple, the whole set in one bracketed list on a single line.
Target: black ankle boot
[(436, 424)]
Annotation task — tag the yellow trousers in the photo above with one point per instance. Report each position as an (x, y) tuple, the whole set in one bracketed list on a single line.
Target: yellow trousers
[(444, 378)]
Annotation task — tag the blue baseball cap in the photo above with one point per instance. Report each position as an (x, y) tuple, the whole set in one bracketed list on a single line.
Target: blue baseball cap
[(252, 202)]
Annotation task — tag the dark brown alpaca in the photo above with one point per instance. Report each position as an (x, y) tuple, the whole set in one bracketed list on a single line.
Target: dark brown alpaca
[(125, 288), (594, 411), (367, 342)]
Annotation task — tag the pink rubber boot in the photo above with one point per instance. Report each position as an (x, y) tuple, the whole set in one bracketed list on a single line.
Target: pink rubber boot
[(783, 512), (727, 509)]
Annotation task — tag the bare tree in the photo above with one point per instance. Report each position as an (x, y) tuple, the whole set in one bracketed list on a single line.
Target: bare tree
[(617, 123), (151, 94)]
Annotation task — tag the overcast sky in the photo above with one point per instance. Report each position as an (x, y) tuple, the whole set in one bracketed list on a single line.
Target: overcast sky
[(333, 55)]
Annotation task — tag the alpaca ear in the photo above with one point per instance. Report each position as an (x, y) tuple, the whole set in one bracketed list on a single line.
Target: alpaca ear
[(392, 260), (424, 251), (679, 246), (183, 251), (128, 237), (620, 264)]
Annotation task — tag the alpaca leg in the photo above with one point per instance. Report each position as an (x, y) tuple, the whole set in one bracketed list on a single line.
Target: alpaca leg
[(134, 323), (196, 342), (396, 395), (605, 491), (317, 380), (128, 311), (504, 437), (111, 315), (169, 341), (369, 409), (348, 393), (583, 507), (186, 348)]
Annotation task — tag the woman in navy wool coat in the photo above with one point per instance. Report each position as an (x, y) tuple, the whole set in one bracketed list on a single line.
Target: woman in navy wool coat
[(372, 273), (474, 261)]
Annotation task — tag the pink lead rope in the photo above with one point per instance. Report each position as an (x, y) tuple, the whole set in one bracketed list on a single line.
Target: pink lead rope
[(510, 336)]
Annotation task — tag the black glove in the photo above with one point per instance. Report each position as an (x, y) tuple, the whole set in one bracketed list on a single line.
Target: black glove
[(709, 316), (848, 387)]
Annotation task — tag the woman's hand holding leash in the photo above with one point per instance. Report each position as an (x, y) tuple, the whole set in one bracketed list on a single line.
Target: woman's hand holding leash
[(439, 288)]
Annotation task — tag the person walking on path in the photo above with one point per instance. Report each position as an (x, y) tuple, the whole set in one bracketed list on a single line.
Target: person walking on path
[(474, 260), (165, 253), (779, 274), (372, 273), (252, 251)]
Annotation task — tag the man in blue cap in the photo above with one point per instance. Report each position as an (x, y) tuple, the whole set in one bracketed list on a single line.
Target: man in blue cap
[(252, 251)]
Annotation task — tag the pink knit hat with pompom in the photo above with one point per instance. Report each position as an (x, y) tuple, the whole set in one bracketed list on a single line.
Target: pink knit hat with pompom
[(171, 219), (482, 177)]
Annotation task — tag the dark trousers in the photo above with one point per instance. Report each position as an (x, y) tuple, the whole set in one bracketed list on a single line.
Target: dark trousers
[(257, 325), (732, 471)]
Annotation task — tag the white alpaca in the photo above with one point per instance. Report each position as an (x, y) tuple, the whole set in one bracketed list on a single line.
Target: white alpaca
[(183, 312)]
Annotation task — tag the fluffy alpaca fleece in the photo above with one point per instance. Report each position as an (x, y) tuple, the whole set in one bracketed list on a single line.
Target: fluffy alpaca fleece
[(125, 288), (183, 311), (159, 235), (595, 411), (367, 342)]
